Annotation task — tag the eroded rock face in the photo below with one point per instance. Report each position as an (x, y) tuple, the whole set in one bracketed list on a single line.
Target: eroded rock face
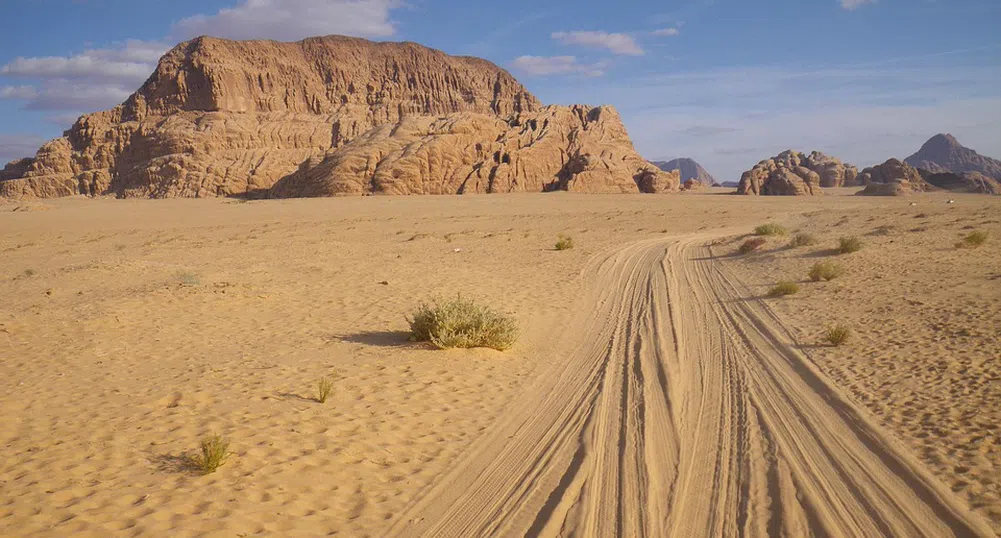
[(223, 117), (970, 182), (896, 187), (579, 148), (793, 173), (943, 153), (894, 170)]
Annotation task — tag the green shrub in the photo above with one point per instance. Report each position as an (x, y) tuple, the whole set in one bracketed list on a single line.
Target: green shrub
[(564, 243), (838, 334), (323, 389), (783, 288), (751, 245), (770, 229), (188, 279), (215, 452), (974, 239), (461, 323), (803, 240), (847, 245), (825, 271)]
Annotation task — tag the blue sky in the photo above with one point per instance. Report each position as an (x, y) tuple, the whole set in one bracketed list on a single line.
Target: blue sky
[(727, 82)]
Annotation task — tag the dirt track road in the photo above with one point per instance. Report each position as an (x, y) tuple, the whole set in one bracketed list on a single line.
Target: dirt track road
[(681, 408)]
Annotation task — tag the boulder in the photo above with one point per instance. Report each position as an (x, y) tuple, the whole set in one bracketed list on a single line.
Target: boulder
[(792, 173), (894, 170)]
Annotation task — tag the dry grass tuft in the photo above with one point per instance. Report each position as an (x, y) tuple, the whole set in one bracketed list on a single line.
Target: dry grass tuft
[(783, 288), (770, 229), (825, 271), (974, 239), (847, 245), (803, 240), (751, 245), (838, 334), (215, 452), (462, 323), (323, 389), (565, 242)]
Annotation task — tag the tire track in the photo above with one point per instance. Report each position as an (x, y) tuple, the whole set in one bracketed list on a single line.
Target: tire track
[(681, 409)]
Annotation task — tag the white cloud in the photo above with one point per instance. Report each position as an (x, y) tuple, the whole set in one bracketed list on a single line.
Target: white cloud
[(292, 20), (555, 65), (667, 32), (92, 80), (852, 5), (617, 43)]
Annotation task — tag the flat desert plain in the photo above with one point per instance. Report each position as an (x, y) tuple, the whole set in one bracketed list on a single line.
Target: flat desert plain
[(656, 390)]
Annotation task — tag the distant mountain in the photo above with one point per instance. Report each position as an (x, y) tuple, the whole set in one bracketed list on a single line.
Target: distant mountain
[(943, 153), (689, 170)]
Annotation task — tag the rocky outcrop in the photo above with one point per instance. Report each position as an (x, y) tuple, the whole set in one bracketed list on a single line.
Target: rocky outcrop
[(943, 153), (581, 149), (970, 182), (894, 170), (896, 187), (689, 169), (793, 173), (221, 118)]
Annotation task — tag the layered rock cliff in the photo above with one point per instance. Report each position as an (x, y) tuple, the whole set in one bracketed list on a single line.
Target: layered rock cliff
[(794, 173), (895, 171), (221, 117)]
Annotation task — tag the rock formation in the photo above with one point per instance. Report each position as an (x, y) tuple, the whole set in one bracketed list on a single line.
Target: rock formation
[(793, 173), (892, 171), (943, 153), (689, 169), (221, 117), (895, 187), (971, 182)]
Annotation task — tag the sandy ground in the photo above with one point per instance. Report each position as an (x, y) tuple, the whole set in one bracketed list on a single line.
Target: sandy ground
[(653, 391)]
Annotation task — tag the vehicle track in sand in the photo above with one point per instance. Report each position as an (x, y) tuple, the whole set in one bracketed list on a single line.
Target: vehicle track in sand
[(683, 408)]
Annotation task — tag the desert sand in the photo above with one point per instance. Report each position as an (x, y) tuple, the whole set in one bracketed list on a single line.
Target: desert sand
[(655, 390)]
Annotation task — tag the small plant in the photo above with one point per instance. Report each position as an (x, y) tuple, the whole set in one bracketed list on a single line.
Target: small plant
[(751, 245), (29, 272), (565, 242), (847, 245), (783, 288), (803, 240), (323, 389), (770, 229), (215, 452), (973, 239), (825, 271), (461, 323), (120, 247), (838, 334), (188, 279)]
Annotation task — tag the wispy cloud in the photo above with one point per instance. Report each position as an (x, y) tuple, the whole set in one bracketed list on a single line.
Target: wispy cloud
[(555, 65), (291, 20), (17, 146), (667, 32), (852, 5), (622, 44)]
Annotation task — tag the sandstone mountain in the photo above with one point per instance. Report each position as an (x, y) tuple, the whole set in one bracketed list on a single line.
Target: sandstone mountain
[(221, 118), (794, 173), (972, 182), (891, 172), (688, 168), (943, 153)]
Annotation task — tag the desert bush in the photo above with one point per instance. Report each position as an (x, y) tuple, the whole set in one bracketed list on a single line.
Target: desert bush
[(973, 239), (461, 323), (838, 334), (188, 279), (803, 240), (770, 229), (565, 242), (783, 288), (29, 272), (751, 245), (323, 389), (847, 245), (214, 453), (825, 271)]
